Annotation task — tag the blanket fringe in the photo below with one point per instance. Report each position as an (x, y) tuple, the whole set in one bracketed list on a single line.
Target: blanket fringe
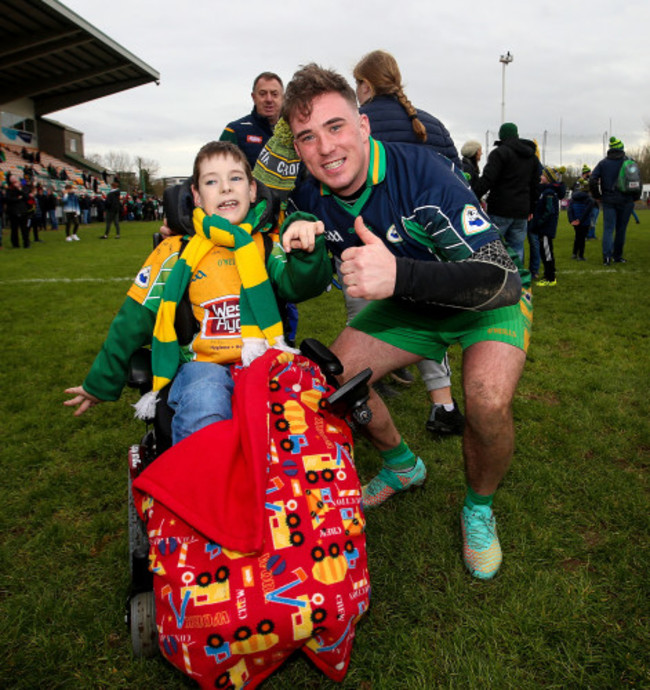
[(145, 408)]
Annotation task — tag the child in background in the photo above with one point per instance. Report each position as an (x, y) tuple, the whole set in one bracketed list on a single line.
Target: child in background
[(544, 222), (228, 270), (72, 211), (581, 208)]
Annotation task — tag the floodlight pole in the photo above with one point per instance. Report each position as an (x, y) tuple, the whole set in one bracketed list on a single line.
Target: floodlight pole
[(504, 60)]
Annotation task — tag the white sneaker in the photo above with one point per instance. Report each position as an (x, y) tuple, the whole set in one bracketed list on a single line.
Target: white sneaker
[(69, 238), (75, 238)]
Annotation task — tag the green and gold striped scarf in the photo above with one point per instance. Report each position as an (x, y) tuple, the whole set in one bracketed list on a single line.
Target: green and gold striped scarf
[(259, 315)]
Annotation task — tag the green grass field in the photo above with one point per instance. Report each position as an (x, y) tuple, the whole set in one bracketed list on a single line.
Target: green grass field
[(570, 607)]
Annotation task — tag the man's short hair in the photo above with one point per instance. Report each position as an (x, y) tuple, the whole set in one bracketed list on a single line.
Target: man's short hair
[(309, 82), (268, 76), (220, 149)]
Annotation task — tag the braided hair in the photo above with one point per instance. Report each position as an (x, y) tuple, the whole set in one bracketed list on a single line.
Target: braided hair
[(381, 71)]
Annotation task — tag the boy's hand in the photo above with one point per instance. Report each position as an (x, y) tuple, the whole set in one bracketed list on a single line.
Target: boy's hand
[(82, 398), (368, 271), (301, 234), (575, 222)]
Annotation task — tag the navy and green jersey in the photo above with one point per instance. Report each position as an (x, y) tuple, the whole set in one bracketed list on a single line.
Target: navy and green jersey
[(448, 254), (413, 200)]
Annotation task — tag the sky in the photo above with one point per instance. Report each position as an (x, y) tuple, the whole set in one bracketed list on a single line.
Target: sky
[(580, 69)]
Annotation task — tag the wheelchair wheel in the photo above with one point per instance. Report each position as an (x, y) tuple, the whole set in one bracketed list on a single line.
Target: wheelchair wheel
[(144, 635)]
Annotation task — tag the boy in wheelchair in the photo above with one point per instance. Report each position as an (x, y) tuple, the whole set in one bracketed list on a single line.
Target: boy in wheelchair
[(231, 269)]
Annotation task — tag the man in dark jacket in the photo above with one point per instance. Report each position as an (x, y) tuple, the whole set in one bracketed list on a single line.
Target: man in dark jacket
[(617, 205), (252, 131), (17, 212), (112, 207), (511, 176)]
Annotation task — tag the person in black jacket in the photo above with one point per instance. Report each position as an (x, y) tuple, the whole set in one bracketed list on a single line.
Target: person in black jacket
[(511, 176), (617, 205), (17, 212), (112, 207)]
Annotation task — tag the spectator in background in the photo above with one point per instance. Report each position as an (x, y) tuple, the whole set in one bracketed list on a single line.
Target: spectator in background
[(112, 207), (252, 131), (472, 152), (17, 212), (84, 205), (544, 222), (511, 179), (36, 214), (579, 186), (71, 211), (617, 204), (50, 205), (393, 118), (579, 213)]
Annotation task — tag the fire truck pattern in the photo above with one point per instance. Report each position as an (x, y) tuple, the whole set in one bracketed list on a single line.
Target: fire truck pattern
[(227, 619)]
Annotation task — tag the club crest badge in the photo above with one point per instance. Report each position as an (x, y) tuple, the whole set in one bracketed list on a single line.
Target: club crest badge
[(393, 236), (473, 221), (142, 279)]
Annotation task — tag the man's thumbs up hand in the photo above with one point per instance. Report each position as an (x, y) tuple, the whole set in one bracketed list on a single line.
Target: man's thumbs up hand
[(368, 271)]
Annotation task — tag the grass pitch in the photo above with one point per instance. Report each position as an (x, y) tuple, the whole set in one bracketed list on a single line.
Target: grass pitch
[(570, 605)]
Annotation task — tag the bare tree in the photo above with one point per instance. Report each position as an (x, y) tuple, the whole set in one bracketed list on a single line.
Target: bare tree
[(118, 161)]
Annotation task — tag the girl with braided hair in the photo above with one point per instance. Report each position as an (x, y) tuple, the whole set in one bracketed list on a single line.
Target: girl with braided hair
[(393, 117)]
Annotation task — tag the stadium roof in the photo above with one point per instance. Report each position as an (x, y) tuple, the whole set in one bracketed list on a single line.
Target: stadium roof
[(53, 56)]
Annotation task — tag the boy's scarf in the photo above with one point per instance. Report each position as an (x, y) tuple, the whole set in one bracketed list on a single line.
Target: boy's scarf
[(261, 325)]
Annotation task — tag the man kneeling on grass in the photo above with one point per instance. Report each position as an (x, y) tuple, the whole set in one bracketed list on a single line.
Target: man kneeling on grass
[(438, 272)]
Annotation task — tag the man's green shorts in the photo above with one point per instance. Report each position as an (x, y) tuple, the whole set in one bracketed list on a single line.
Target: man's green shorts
[(411, 330)]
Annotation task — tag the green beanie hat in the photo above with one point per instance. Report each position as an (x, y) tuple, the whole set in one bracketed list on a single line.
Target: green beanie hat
[(278, 163), (508, 130), (585, 169), (615, 143)]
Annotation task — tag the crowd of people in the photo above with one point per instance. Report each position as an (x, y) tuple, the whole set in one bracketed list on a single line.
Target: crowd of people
[(428, 249), (29, 209)]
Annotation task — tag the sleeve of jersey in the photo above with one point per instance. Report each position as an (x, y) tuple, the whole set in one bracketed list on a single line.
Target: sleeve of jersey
[(228, 134), (131, 328), (300, 275), (477, 284)]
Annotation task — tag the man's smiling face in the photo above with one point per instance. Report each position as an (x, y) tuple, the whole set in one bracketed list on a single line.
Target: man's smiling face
[(333, 143)]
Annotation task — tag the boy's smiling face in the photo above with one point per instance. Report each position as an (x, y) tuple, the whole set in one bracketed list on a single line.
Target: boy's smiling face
[(224, 188)]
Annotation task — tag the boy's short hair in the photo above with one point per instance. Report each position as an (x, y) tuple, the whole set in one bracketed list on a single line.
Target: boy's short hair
[(309, 82), (220, 149)]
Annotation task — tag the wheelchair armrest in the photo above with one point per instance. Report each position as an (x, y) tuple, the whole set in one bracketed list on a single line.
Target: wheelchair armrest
[(140, 374), (328, 362), (352, 397)]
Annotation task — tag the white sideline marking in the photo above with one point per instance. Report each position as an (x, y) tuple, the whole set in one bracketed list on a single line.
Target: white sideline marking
[(65, 280)]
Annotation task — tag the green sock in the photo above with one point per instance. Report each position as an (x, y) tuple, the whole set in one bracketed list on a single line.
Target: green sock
[(399, 458), (473, 499)]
